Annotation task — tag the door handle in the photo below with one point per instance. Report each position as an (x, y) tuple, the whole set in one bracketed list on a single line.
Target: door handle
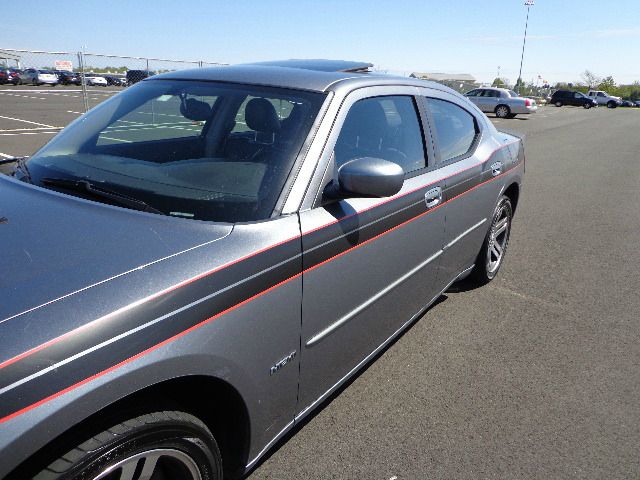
[(496, 169), (433, 197)]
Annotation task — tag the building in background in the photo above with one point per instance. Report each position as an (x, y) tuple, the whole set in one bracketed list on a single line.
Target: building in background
[(461, 82)]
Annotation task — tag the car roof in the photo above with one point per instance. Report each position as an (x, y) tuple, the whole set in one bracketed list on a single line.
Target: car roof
[(314, 75)]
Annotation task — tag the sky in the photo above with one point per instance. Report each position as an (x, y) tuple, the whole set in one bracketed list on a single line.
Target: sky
[(564, 37)]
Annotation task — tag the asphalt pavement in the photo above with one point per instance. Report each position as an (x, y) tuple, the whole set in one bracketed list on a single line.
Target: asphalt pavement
[(534, 376)]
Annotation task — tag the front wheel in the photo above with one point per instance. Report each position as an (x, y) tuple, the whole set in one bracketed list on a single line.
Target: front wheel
[(495, 244), (158, 445), (587, 106), (558, 103)]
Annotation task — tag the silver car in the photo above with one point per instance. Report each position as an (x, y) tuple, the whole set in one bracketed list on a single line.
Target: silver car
[(503, 102), (39, 77), (193, 266)]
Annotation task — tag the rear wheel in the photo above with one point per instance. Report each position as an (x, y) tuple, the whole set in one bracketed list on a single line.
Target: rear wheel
[(502, 111), (495, 244), (160, 445)]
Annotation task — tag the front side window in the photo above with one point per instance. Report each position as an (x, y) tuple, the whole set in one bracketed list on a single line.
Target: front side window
[(199, 150), (383, 127), (455, 128), (473, 93)]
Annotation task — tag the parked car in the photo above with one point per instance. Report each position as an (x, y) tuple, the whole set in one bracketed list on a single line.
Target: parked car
[(38, 77), (95, 80), (568, 97), (627, 103), (603, 98), (637, 103), (115, 81), (9, 75), (501, 101), (68, 78), (162, 300), (135, 76)]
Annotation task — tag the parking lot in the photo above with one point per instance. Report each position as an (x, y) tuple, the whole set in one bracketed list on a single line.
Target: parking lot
[(536, 375)]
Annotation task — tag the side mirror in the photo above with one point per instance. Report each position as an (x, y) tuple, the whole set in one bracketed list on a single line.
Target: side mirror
[(368, 177)]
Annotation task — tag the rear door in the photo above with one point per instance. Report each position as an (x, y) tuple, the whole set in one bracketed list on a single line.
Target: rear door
[(469, 164), (370, 264)]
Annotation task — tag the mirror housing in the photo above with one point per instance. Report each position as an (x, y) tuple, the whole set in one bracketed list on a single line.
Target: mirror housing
[(368, 177)]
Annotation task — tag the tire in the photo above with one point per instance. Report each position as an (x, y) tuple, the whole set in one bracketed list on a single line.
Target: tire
[(502, 111), (487, 265), (558, 103), (611, 104), (171, 444), (587, 106)]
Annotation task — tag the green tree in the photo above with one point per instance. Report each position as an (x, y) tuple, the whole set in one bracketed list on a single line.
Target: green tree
[(498, 82), (608, 85)]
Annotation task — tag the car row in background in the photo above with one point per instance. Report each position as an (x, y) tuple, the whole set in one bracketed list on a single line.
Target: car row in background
[(576, 99), (34, 76), (503, 102)]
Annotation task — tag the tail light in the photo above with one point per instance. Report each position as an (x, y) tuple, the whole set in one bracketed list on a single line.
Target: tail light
[(528, 102)]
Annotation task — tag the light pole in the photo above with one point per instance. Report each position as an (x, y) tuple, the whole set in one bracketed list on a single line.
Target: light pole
[(528, 4)]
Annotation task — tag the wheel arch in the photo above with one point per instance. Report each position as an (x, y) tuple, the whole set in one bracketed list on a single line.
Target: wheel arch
[(214, 401), (513, 192)]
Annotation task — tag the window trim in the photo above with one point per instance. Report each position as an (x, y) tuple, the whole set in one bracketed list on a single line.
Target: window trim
[(472, 148)]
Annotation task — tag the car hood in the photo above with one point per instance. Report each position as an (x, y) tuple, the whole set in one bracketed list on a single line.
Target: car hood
[(53, 245)]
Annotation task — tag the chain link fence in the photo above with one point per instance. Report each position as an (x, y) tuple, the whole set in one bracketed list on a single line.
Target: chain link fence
[(96, 76)]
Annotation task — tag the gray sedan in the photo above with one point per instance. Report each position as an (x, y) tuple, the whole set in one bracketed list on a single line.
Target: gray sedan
[(192, 267), (501, 101)]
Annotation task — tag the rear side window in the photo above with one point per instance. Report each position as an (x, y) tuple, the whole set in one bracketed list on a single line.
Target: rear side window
[(383, 127), (455, 128)]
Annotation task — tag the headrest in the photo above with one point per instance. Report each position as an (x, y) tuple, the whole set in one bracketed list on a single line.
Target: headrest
[(261, 116), (195, 109)]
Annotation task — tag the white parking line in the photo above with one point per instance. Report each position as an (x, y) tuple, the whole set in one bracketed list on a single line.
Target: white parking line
[(25, 129), (71, 111), (117, 139), (4, 155), (27, 121), (26, 133)]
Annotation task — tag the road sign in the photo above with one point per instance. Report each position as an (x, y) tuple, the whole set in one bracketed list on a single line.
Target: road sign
[(65, 65)]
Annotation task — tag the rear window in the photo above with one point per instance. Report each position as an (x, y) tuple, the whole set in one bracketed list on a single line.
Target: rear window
[(455, 128)]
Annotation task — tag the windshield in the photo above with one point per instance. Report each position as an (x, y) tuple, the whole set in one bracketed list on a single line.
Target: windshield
[(197, 150)]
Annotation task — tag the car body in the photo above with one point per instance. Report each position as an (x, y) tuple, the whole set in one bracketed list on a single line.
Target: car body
[(627, 103), (95, 80), (503, 102), (603, 98), (637, 103), (240, 183), (115, 81), (38, 77), (68, 78), (135, 76), (569, 97), (9, 75)]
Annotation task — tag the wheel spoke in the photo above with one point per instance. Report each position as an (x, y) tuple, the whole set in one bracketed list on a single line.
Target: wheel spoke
[(501, 226), (128, 470), (149, 467)]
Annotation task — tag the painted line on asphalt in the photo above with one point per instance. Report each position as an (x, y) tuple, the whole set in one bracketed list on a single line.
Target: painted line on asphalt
[(71, 111), (26, 133), (28, 121), (24, 129), (4, 155)]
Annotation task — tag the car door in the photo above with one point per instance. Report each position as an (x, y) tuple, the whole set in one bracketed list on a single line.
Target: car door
[(468, 165), (370, 264)]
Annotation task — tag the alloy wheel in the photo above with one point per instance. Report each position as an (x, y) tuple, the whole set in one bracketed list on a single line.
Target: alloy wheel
[(164, 463), (498, 239)]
